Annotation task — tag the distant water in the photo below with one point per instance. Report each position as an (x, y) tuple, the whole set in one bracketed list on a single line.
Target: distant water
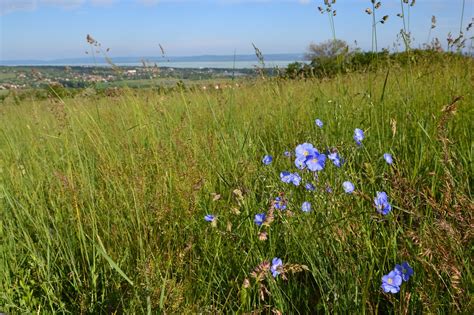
[(217, 64), (186, 64)]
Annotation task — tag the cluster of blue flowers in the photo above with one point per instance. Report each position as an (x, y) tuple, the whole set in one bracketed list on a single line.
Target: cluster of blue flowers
[(307, 157), (392, 281), (293, 178), (280, 203)]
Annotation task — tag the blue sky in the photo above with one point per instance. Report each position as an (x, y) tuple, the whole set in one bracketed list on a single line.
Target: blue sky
[(50, 29)]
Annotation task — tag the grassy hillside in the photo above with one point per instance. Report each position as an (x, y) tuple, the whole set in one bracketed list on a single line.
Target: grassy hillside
[(102, 200)]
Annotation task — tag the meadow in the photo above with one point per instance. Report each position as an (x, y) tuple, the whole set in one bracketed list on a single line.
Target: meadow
[(106, 202)]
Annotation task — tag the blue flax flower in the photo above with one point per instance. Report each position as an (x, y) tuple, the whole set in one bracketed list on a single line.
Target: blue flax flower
[(388, 158), (267, 159), (391, 282), (336, 159), (304, 150), (316, 162), (279, 203), (296, 179), (259, 219), (318, 123), (405, 270), (276, 267), (287, 153), (286, 177), (309, 187), (348, 187), (306, 207), (382, 204), (209, 218), (300, 162), (358, 136), (293, 178)]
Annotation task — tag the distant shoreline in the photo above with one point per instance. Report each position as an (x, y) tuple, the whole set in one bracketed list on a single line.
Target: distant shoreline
[(194, 62)]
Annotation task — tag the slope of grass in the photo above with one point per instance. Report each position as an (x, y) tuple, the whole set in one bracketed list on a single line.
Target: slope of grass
[(103, 199)]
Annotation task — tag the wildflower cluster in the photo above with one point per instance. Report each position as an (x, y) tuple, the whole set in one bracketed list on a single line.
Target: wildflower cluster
[(310, 162), (392, 281)]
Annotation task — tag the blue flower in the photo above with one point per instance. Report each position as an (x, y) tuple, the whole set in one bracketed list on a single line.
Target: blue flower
[(279, 203), (286, 177), (300, 162), (306, 207), (304, 150), (388, 158), (318, 123), (358, 136), (405, 270), (328, 189), (382, 204), (209, 218), (287, 153), (348, 187), (391, 282), (293, 178), (276, 267), (267, 159), (316, 162), (296, 179), (336, 159), (309, 187), (259, 219)]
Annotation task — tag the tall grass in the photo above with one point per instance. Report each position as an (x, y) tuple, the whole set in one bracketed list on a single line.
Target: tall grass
[(103, 199)]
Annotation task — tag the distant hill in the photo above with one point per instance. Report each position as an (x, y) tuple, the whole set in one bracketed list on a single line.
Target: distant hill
[(151, 59)]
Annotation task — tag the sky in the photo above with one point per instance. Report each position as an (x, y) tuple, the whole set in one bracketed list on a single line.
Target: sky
[(55, 29)]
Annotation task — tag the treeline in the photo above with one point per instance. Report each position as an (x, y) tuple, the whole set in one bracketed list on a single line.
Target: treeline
[(328, 66)]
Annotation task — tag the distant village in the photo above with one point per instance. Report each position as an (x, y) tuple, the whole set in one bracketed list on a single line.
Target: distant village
[(27, 77)]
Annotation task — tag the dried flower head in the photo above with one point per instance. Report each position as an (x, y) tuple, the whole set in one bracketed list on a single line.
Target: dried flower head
[(433, 21), (90, 40), (262, 236)]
